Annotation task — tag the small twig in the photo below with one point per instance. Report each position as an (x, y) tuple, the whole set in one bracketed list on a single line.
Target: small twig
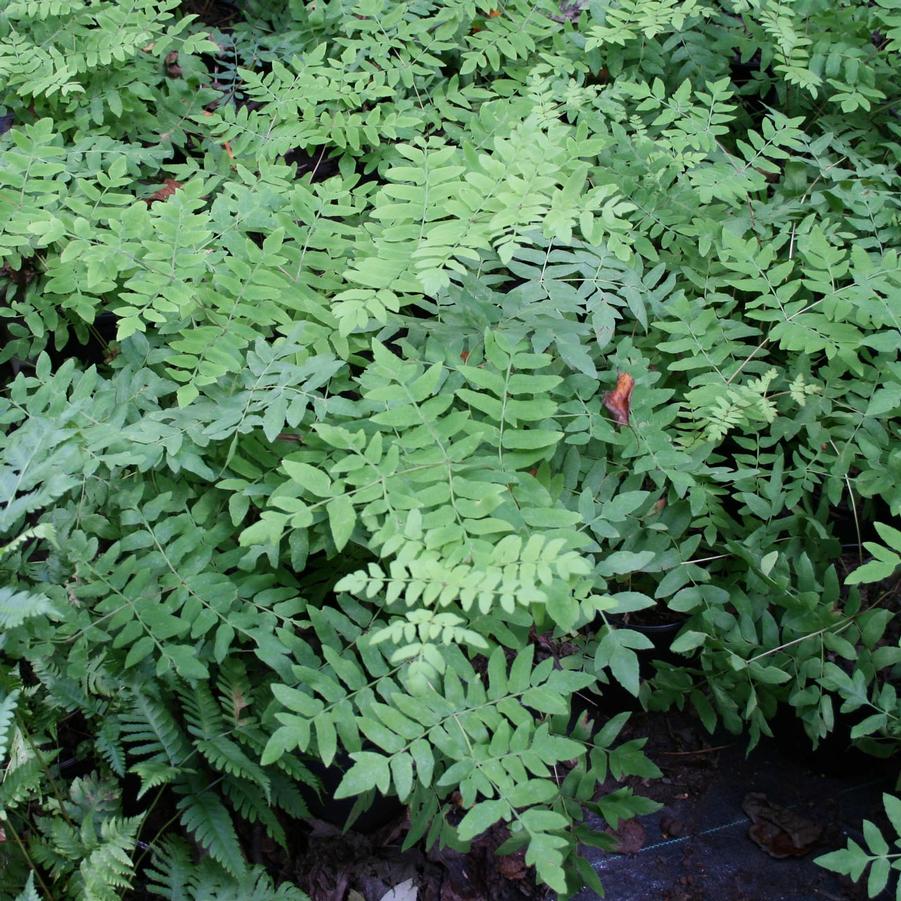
[(853, 506), (318, 162), (28, 860), (691, 753)]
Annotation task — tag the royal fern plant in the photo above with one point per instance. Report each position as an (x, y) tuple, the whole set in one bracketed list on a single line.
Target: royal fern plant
[(371, 370)]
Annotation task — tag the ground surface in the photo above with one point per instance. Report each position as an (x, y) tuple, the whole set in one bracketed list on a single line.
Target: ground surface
[(697, 847)]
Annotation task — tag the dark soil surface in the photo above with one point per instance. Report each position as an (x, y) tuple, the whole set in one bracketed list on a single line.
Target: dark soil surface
[(732, 828), (703, 845)]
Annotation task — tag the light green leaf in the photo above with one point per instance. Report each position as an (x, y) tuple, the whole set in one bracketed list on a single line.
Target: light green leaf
[(369, 771), (688, 641), (342, 517), (309, 477), (482, 816)]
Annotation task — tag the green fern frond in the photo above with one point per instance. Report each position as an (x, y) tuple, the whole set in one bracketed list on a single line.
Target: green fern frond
[(248, 802), (208, 820), (21, 779), (18, 606), (171, 873), (174, 876), (29, 893), (7, 719), (149, 731), (108, 870)]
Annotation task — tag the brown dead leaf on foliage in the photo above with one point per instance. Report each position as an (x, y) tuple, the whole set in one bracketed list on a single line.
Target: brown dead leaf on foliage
[(619, 400), (170, 186)]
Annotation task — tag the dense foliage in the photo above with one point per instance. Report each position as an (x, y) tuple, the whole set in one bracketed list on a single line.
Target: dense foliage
[(444, 334)]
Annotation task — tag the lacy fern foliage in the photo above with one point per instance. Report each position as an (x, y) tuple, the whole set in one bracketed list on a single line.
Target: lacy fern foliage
[(374, 369)]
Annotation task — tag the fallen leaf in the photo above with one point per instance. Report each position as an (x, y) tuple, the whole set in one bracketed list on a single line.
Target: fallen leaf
[(671, 827), (170, 186), (618, 400), (512, 866), (779, 831), (629, 837), (406, 891)]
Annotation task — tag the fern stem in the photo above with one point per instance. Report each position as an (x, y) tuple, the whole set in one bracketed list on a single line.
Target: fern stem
[(44, 887)]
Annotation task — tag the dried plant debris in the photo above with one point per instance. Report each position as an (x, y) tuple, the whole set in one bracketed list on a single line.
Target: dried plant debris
[(779, 831)]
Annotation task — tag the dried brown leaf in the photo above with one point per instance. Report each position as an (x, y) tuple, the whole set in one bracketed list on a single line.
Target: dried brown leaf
[(619, 400)]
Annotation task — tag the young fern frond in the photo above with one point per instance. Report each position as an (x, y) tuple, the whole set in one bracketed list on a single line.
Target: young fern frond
[(109, 869)]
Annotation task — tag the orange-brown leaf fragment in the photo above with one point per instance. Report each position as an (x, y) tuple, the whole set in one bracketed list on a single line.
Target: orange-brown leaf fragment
[(619, 399), (170, 186)]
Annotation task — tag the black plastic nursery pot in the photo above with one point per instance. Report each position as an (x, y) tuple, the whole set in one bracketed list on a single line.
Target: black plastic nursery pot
[(325, 806), (661, 626), (611, 698), (97, 348), (661, 634), (835, 755), (101, 337)]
